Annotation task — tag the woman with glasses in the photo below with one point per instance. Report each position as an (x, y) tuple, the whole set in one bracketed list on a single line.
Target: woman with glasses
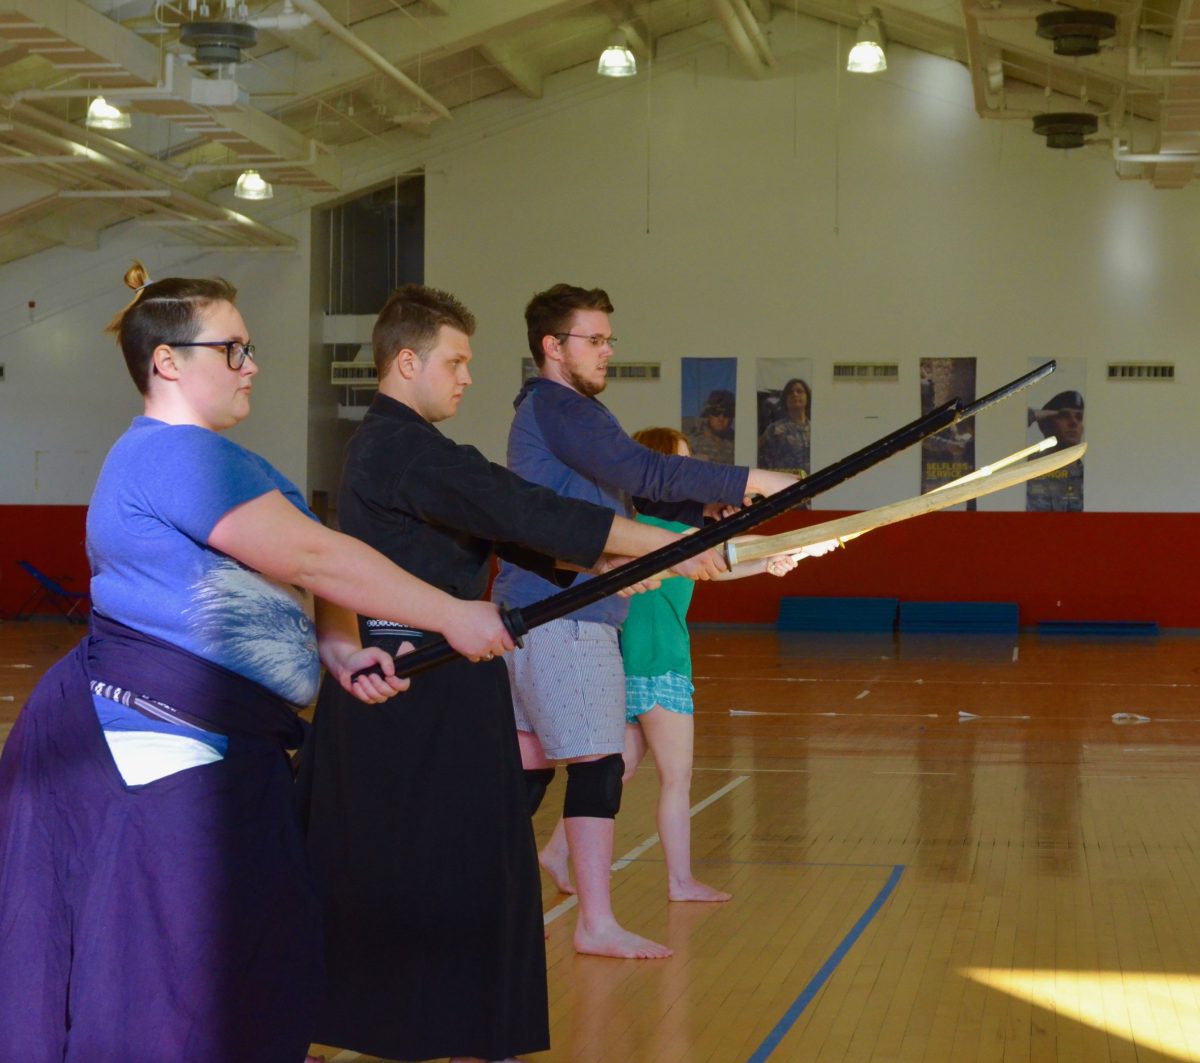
[(154, 898)]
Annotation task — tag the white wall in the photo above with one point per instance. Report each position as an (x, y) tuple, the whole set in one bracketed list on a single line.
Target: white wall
[(66, 395), (813, 214), (732, 217)]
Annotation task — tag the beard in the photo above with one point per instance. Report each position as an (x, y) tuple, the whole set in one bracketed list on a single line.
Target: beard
[(587, 388)]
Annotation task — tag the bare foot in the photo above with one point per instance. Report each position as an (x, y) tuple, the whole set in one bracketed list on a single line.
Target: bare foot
[(616, 941), (557, 866), (692, 890)]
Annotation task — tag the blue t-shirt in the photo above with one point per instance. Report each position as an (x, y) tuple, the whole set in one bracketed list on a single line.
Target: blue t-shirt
[(162, 490)]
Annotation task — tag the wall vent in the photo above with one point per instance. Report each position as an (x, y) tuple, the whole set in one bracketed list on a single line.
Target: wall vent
[(354, 375), (1141, 370), (635, 370), (866, 370)]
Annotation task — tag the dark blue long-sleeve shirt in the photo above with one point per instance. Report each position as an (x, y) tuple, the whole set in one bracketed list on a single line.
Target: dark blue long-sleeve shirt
[(575, 446)]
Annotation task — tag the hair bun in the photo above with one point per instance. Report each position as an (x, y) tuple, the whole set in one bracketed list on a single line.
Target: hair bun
[(136, 276)]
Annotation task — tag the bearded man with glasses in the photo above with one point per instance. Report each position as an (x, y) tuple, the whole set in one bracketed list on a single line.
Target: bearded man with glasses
[(568, 682)]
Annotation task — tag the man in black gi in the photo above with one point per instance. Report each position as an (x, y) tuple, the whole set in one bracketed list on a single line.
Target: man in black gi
[(417, 817)]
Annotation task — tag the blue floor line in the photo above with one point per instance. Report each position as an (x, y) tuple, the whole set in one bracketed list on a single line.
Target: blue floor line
[(771, 1042)]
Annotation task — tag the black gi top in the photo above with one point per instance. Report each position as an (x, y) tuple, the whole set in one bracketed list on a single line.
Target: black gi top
[(438, 508)]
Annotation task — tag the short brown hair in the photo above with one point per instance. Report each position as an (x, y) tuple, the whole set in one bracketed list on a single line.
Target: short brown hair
[(664, 440), (165, 311), (411, 318), (549, 313)]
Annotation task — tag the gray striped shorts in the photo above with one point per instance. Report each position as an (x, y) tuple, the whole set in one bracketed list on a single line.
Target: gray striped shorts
[(568, 688)]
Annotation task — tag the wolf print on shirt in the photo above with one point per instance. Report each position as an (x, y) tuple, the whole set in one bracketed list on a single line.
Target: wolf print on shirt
[(258, 628)]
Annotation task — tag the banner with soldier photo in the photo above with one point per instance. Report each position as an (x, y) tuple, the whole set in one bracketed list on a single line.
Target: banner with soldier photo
[(784, 414), (1056, 409), (949, 454), (709, 404)]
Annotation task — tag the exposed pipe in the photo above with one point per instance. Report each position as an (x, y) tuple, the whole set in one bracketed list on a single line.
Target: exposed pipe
[(294, 21), (288, 19), (331, 25), (738, 36), (40, 160), (115, 193), (1189, 71), (754, 31), (162, 91), (1121, 154)]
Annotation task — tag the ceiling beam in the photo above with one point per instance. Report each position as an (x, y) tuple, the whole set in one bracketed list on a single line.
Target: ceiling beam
[(327, 22), (467, 25), (523, 77), (48, 133), (748, 42), (80, 41), (622, 13)]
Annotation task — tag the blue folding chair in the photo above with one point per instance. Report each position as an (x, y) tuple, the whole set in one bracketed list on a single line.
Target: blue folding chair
[(50, 592)]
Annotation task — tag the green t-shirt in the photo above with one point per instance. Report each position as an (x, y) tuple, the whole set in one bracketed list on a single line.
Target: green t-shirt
[(655, 639)]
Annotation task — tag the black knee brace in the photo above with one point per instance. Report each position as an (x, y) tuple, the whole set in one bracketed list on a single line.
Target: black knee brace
[(536, 782), (594, 788)]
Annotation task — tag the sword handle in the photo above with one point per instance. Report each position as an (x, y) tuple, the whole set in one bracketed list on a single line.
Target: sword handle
[(438, 651)]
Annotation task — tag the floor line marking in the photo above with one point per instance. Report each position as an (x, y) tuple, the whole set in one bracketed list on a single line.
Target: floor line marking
[(772, 1040), (763, 771), (649, 843), (939, 682), (862, 695), (849, 715), (914, 773)]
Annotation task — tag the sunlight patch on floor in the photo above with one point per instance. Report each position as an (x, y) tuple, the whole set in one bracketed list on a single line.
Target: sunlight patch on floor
[(1155, 1011)]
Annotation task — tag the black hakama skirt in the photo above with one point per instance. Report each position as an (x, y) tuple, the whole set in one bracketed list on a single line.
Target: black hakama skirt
[(423, 852)]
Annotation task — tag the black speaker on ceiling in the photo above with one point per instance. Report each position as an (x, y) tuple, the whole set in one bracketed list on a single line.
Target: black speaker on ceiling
[(1076, 32), (1065, 129)]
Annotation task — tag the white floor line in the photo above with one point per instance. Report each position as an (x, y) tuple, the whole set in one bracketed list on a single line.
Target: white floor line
[(763, 771), (914, 773), (944, 682), (641, 847)]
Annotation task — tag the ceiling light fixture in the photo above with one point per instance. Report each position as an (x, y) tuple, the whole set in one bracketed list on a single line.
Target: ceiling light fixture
[(617, 61), (866, 57), (251, 185), (103, 115)]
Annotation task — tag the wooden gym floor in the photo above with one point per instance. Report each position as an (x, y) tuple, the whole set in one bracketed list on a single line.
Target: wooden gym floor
[(910, 883)]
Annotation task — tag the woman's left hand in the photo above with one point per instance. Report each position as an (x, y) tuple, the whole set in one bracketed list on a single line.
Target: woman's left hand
[(371, 688), (783, 564)]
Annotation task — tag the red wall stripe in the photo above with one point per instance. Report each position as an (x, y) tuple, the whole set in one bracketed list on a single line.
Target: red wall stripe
[(1055, 566)]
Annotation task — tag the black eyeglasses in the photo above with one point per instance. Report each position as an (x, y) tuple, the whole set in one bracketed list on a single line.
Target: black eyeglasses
[(595, 341), (236, 352)]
